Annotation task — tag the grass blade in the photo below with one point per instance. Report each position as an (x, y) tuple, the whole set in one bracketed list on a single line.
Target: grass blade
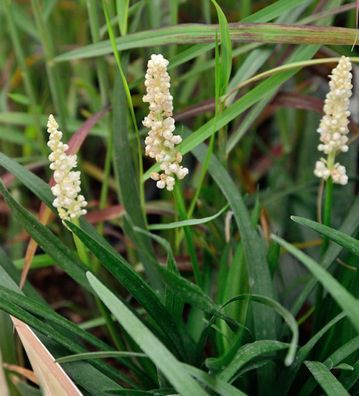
[(155, 350), (248, 352), (239, 32), (349, 226), (345, 300), (220, 387), (140, 290), (97, 355), (330, 385), (253, 247), (185, 223), (339, 237), (47, 240)]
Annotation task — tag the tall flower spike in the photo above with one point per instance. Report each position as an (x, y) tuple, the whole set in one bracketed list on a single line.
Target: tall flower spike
[(333, 128), (160, 141), (69, 202)]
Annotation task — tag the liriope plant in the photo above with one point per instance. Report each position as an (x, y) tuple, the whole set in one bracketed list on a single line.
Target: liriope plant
[(185, 284)]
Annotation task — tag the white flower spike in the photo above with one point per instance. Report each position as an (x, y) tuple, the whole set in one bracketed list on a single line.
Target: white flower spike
[(69, 202), (160, 141), (333, 128)]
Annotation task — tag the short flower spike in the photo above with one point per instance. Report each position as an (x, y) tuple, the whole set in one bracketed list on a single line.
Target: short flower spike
[(160, 141), (69, 202), (333, 128)]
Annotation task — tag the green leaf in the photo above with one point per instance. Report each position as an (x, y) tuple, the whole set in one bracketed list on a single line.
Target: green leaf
[(39, 261), (343, 352), (226, 47), (62, 255), (19, 98), (33, 182), (339, 237), (349, 225), (220, 387), (288, 376), (98, 355), (7, 304), (171, 368), (345, 300), (247, 353), (140, 290), (62, 330), (330, 385), (254, 251), (128, 179), (122, 12), (273, 10), (184, 223), (194, 295), (200, 33)]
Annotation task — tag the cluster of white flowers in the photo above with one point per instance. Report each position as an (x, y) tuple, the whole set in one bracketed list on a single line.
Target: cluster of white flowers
[(160, 141), (69, 203), (333, 128)]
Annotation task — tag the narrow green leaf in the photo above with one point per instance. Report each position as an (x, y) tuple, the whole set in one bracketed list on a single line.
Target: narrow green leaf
[(220, 387), (7, 305), (98, 355), (200, 33), (127, 178), (184, 223), (349, 225), (330, 385), (171, 368), (345, 300), (343, 352), (247, 353), (226, 47), (339, 237), (140, 290), (47, 240), (254, 251), (122, 12), (273, 10), (288, 376)]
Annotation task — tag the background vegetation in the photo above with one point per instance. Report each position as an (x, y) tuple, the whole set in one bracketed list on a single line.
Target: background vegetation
[(196, 291)]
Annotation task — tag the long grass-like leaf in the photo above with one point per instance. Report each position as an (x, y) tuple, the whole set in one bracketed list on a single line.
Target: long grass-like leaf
[(239, 32), (185, 223), (350, 224), (140, 290), (248, 352), (339, 237), (326, 379), (345, 300), (47, 240), (288, 375), (155, 350)]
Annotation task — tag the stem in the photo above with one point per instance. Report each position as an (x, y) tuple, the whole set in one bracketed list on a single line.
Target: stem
[(327, 214), (188, 234)]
